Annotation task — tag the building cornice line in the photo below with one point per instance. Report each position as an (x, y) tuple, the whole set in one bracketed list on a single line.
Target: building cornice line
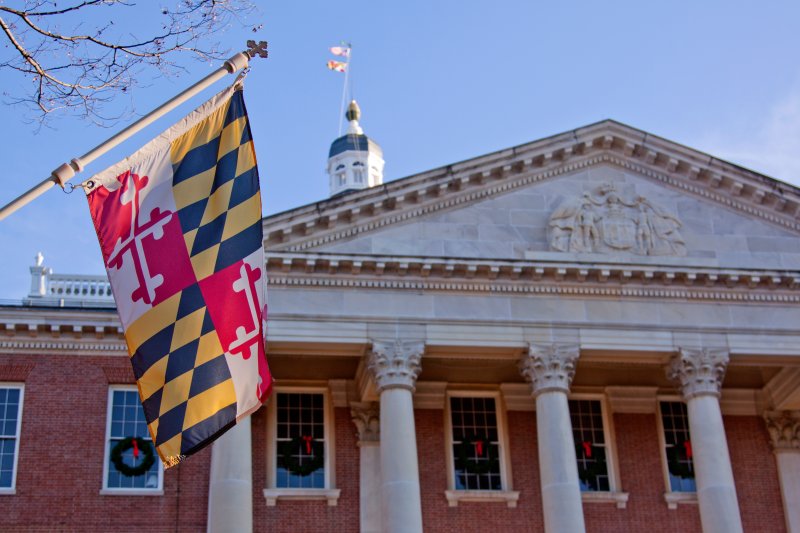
[(543, 289)]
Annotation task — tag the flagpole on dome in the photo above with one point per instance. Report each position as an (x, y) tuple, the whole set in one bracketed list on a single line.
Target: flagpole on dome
[(67, 171), (344, 49)]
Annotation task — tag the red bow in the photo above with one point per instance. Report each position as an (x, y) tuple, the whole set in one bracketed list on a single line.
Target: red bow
[(307, 440), (687, 446), (478, 448), (135, 449), (587, 449)]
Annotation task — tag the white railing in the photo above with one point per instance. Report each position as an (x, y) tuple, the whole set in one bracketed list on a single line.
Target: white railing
[(79, 287), (48, 289)]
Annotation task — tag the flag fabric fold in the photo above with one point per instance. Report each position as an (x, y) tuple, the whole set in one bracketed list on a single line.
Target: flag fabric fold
[(343, 51), (338, 66), (179, 225)]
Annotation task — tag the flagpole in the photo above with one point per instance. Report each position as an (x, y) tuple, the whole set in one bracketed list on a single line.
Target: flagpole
[(344, 88), (66, 171)]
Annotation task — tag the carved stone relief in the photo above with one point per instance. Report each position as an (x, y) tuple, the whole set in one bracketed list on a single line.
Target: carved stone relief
[(605, 220)]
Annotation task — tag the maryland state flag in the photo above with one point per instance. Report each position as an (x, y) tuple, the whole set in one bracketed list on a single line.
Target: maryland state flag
[(179, 224)]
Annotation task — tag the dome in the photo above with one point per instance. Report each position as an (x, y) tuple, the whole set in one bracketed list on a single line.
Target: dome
[(357, 142)]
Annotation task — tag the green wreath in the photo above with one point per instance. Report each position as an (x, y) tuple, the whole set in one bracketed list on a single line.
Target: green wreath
[(126, 444), (589, 470), (677, 462), (287, 451), (466, 463)]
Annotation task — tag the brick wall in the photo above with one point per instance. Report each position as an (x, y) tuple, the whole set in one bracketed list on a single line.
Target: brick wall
[(62, 446), (62, 452)]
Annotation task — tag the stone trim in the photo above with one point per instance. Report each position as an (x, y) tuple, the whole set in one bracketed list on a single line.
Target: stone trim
[(454, 497), (673, 499), (618, 498), (549, 367), (784, 430), (699, 371), (330, 495), (395, 364)]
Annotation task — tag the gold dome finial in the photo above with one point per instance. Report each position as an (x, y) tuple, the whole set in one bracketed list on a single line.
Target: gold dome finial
[(353, 111)]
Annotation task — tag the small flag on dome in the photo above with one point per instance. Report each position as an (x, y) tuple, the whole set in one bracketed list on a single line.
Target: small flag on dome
[(340, 51), (338, 66)]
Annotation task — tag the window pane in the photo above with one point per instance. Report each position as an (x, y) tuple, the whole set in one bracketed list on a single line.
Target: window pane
[(300, 440), (590, 450), (127, 420), (476, 449), (9, 414), (678, 447)]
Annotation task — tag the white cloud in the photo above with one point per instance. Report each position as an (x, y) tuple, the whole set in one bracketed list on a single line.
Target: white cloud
[(772, 147)]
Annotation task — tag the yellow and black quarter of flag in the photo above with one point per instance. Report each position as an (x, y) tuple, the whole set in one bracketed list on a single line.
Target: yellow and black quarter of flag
[(179, 224)]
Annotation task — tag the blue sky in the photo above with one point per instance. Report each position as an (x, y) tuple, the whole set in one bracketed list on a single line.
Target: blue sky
[(440, 82)]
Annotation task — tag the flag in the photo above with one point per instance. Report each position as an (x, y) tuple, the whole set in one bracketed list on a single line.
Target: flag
[(338, 66), (340, 51), (179, 225)]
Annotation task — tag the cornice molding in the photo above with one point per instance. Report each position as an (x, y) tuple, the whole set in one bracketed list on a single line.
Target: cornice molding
[(484, 177), (617, 280), (57, 347)]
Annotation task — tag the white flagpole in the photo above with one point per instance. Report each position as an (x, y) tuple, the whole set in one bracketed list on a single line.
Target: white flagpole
[(344, 87), (65, 172)]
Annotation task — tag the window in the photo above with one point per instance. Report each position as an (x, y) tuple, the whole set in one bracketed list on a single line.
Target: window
[(358, 175), (476, 450), (10, 421), (300, 441), (590, 444), (300, 446), (677, 447), (341, 175), (126, 419)]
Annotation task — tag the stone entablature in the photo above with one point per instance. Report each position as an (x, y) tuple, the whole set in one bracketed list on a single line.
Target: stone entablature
[(395, 364), (646, 278), (699, 371), (502, 172), (784, 430), (549, 367), (606, 220)]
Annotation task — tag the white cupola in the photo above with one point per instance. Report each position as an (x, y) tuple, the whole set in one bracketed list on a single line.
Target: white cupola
[(355, 161)]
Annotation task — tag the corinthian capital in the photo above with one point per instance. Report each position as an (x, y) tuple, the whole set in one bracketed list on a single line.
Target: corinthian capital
[(698, 371), (395, 364), (784, 429), (367, 418), (549, 367)]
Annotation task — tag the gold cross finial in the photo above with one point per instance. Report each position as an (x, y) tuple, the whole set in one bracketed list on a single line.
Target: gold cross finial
[(257, 49)]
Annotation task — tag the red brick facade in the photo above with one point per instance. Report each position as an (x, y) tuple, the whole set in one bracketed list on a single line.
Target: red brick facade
[(61, 467)]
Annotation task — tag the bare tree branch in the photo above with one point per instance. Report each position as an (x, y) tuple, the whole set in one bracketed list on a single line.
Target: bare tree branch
[(78, 57)]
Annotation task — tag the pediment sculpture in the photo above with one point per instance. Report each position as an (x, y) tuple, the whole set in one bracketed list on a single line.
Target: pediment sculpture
[(605, 220)]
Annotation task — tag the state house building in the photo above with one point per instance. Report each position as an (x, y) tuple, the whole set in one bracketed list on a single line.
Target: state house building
[(596, 331)]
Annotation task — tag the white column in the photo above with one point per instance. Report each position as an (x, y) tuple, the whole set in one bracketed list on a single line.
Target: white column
[(395, 367), (550, 370), (784, 430), (230, 486), (366, 417), (699, 373)]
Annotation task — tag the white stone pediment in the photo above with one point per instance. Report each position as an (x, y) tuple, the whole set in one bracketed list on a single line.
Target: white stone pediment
[(602, 194)]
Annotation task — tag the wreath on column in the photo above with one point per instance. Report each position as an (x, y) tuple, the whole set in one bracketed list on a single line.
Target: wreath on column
[(679, 460), (594, 464), (288, 452), (140, 446), (476, 445)]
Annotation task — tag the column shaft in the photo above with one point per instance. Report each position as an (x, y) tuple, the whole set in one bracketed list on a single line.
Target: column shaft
[(561, 494), (789, 478), (716, 492), (370, 487), (230, 487), (400, 492)]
